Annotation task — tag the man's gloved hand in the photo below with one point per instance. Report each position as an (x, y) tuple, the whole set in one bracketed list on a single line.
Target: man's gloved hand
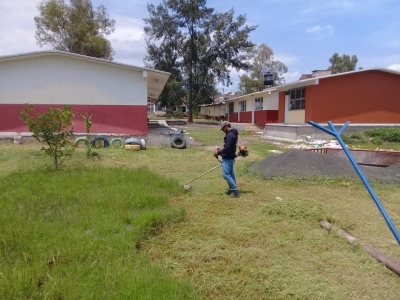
[(216, 153)]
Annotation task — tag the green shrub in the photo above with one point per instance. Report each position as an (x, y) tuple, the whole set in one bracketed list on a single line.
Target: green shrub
[(377, 140), (54, 128), (385, 134), (355, 138)]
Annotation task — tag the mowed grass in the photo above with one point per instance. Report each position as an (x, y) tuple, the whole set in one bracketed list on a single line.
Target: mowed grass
[(253, 247), (77, 234)]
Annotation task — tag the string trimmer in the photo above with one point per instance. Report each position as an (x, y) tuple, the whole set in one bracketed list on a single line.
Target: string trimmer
[(187, 186), (243, 151)]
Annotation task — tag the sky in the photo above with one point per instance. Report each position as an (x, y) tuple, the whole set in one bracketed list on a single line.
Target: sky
[(302, 34)]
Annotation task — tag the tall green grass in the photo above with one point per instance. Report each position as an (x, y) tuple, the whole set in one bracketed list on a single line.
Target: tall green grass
[(75, 234)]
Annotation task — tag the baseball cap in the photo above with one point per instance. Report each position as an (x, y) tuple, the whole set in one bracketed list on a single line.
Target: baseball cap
[(223, 124)]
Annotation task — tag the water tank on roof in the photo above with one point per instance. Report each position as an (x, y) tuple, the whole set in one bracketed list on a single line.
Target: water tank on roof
[(268, 78)]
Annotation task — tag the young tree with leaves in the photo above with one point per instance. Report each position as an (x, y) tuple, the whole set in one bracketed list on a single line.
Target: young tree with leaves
[(262, 59), (203, 44), (76, 28), (341, 64), (54, 128)]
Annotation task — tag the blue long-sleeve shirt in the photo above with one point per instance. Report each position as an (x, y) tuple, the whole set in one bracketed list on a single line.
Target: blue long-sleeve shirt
[(230, 142)]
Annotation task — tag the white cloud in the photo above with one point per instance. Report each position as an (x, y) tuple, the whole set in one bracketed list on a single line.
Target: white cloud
[(319, 28), (286, 58), (292, 76), (314, 29), (18, 27), (128, 40), (395, 67)]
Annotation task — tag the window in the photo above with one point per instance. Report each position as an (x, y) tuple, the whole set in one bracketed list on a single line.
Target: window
[(258, 103), (297, 99), (242, 105), (231, 110)]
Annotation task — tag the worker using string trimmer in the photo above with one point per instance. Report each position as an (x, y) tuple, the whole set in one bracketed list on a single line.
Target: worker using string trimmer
[(228, 155)]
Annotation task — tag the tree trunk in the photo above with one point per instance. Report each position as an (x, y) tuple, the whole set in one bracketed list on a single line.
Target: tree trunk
[(190, 114)]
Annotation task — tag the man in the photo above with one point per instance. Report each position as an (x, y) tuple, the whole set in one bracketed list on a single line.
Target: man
[(228, 154)]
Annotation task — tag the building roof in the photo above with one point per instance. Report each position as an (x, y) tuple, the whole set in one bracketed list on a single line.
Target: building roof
[(156, 80), (251, 94), (315, 80)]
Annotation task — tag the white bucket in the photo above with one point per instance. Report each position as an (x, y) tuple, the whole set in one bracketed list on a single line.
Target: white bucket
[(17, 139)]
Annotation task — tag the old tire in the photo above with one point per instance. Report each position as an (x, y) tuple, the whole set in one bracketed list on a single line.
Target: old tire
[(143, 143), (114, 142), (100, 141), (81, 139), (178, 142), (132, 141)]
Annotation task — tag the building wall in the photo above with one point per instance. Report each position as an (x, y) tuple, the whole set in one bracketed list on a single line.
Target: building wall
[(116, 96), (262, 117), (269, 113), (362, 97), (296, 116), (213, 111), (232, 117), (271, 101), (245, 117), (120, 119)]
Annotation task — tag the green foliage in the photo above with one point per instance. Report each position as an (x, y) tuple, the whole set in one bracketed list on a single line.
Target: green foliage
[(377, 140), (197, 45), (52, 128), (175, 114), (76, 28), (355, 138), (341, 64), (262, 58), (68, 241), (385, 134), (376, 136)]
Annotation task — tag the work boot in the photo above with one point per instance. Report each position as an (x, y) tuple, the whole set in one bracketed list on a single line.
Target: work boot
[(233, 195)]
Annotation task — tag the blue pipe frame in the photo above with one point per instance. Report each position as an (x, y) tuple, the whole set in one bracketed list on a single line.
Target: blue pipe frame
[(364, 180)]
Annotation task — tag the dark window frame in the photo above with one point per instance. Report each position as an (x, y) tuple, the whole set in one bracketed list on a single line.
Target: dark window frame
[(297, 99)]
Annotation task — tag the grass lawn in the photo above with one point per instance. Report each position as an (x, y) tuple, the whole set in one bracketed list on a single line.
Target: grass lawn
[(122, 227)]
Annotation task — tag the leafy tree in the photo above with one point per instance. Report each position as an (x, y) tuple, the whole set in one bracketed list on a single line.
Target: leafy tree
[(76, 28), (262, 59), (51, 128), (341, 64), (203, 45), (163, 57)]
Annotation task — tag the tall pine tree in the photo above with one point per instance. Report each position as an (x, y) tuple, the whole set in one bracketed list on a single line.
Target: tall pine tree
[(197, 45)]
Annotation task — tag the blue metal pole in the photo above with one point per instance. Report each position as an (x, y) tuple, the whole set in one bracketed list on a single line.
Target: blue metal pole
[(364, 180)]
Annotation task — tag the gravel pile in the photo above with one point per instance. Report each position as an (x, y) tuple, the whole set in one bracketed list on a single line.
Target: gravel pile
[(305, 164)]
